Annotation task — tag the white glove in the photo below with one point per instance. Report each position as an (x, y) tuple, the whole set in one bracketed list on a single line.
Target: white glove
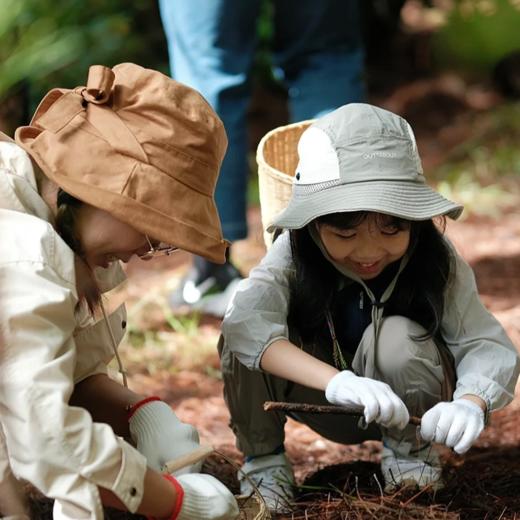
[(206, 498), (381, 404), (161, 437), (456, 424)]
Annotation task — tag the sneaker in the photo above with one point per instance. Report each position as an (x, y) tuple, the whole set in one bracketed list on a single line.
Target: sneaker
[(216, 304), (207, 287), (402, 466), (274, 478)]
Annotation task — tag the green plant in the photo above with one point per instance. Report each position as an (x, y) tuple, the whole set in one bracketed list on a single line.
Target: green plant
[(477, 199), (187, 325), (483, 172), (478, 34), (47, 43)]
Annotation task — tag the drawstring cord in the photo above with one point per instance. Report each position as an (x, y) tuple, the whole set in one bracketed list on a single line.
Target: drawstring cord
[(82, 270), (377, 306), (339, 360), (377, 320), (121, 368)]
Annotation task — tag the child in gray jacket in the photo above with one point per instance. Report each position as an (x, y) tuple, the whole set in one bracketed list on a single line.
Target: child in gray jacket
[(361, 300)]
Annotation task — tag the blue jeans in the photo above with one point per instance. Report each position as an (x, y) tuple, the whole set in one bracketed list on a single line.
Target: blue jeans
[(317, 53)]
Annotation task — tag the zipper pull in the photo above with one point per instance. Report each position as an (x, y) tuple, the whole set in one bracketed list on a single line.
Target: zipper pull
[(361, 300)]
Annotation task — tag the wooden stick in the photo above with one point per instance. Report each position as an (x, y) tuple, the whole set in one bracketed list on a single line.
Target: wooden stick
[(186, 460), (271, 406)]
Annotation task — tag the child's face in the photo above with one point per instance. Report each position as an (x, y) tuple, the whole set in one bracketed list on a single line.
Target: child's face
[(105, 238), (367, 248)]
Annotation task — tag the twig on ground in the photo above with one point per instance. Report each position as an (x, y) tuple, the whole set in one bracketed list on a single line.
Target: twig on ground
[(273, 406)]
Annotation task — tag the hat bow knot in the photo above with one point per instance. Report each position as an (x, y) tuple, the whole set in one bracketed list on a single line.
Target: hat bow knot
[(99, 85)]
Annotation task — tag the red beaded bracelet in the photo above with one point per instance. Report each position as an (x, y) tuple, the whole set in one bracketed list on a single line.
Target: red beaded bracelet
[(180, 495), (133, 408), (178, 501)]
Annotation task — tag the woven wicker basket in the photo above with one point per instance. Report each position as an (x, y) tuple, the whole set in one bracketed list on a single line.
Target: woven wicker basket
[(277, 158)]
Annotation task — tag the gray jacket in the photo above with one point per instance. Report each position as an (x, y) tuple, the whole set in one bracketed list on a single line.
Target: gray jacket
[(487, 363)]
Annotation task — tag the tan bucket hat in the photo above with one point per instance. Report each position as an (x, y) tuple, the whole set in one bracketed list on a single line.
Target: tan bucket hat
[(360, 158), (140, 146)]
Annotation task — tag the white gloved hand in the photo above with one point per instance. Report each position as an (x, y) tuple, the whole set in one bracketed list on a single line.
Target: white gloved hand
[(381, 404), (206, 498), (161, 437), (457, 424)]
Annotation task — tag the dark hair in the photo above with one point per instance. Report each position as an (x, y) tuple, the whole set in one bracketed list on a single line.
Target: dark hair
[(68, 207), (418, 295), (66, 216)]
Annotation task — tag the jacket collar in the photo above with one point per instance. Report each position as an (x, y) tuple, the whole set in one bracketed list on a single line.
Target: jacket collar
[(19, 192), (18, 182)]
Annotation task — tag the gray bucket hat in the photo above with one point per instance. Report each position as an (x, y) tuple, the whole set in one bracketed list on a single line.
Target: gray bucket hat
[(360, 158)]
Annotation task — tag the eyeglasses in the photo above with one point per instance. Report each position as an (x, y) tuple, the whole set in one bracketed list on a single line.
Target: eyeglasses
[(159, 250)]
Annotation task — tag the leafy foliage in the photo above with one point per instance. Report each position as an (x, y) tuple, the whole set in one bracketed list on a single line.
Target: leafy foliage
[(483, 172), (479, 33), (46, 43)]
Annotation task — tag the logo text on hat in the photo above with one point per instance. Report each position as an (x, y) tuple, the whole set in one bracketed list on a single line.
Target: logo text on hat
[(373, 155)]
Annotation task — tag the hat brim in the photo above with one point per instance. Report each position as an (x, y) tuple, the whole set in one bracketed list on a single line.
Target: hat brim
[(204, 239), (407, 200)]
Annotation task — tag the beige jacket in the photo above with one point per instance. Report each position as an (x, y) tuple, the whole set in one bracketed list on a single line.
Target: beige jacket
[(47, 347)]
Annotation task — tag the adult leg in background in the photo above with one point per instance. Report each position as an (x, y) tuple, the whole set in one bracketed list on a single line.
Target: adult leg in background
[(211, 48), (319, 55)]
